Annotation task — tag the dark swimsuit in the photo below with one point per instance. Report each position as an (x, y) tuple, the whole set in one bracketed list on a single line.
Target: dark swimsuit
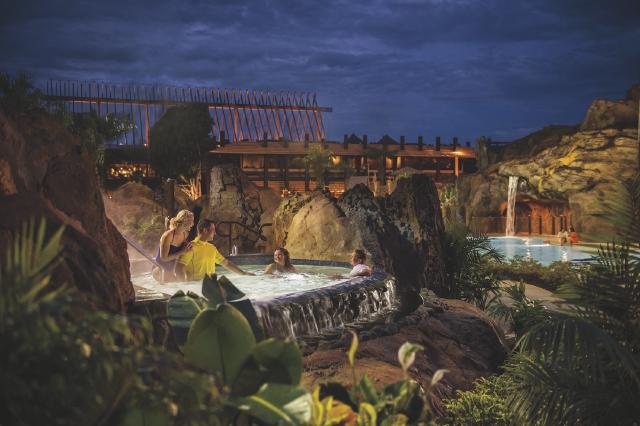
[(168, 265)]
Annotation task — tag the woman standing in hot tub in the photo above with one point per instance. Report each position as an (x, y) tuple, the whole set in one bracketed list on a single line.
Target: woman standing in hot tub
[(281, 262)]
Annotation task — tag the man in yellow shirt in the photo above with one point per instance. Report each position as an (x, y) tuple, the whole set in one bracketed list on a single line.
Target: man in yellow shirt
[(201, 260)]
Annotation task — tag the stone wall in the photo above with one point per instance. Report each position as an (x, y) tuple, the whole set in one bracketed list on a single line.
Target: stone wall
[(45, 172), (582, 169), (401, 232), (233, 198)]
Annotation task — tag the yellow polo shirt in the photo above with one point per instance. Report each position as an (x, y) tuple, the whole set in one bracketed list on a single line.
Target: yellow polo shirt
[(200, 260)]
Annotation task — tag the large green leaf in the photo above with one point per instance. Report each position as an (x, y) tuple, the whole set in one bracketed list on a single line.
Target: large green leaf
[(246, 308), (278, 404), (181, 311), (221, 290), (272, 361), (212, 291), (231, 292), (220, 340)]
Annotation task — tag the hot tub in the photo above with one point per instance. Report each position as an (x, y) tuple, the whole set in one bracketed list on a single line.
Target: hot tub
[(304, 303)]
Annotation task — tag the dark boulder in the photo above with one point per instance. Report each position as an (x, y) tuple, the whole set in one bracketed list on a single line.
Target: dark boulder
[(45, 172)]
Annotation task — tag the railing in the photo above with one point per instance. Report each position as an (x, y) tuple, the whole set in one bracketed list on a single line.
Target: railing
[(230, 234), (541, 225)]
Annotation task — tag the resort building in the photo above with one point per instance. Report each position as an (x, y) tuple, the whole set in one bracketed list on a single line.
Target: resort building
[(280, 165), (265, 133)]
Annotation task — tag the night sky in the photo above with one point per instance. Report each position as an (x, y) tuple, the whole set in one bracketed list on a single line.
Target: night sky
[(461, 68)]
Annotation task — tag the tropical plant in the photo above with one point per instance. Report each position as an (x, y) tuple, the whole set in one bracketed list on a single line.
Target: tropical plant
[(179, 141), (319, 161), (94, 130), (65, 363), (484, 405), (399, 403), (533, 272), (521, 311), (191, 186), (583, 366), (18, 95), (465, 257)]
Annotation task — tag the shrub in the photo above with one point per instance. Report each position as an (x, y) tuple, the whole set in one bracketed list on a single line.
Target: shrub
[(482, 405), (533, 272), (18, 96), (65, 363), (465, 256)]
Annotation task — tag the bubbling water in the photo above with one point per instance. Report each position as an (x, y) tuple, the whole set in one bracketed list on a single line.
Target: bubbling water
[(260, 286)]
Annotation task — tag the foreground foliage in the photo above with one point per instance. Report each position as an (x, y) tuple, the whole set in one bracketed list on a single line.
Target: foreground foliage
[(65, 363), (483, 405)]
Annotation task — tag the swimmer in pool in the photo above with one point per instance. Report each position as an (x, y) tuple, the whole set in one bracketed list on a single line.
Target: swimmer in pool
[(281, 262)]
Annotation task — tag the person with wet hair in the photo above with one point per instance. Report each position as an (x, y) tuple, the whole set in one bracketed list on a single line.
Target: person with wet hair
[(173, 243), (360, 269), (281, 262)]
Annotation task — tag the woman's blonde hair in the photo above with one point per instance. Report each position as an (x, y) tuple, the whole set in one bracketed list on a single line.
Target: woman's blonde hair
[(182, 217)]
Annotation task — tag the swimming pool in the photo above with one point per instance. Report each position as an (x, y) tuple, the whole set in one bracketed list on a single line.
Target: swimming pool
[(537, 249), (260, 286)]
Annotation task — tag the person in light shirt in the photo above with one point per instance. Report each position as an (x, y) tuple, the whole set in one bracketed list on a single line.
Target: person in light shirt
[(201, 260), (360, 269)]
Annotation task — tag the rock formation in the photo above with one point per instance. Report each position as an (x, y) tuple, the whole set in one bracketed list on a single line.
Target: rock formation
[(233, 198), (570, 170), (45, 172), (400, 232), (456, 336)]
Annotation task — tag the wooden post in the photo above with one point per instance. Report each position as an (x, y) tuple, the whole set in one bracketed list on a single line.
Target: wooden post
[(306, 178), (529, 225), (222, 138), (205, 174), (306, 140), (420, 143), (286, 171), (265, 172), (540, 225), (264, 139), (456, 165)]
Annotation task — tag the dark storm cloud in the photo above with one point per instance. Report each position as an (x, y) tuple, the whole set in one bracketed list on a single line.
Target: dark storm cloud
[(450, 67)]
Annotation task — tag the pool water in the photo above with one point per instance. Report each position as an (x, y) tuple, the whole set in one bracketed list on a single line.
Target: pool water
[(261, 286), (539, 250)]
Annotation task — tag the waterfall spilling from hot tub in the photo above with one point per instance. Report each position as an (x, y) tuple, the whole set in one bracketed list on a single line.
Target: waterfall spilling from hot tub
[(311, 313), (511, 206)]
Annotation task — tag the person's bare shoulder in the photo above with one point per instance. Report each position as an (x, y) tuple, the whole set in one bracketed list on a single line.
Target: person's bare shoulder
[(269, 269)]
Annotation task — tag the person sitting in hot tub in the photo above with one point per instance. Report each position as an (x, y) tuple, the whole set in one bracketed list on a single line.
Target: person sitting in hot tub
[(360, 269), (281, 262), (201, 260)]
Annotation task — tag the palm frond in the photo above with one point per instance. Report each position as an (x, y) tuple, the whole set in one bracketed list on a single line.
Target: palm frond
[(572, 342), (28, 265)]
